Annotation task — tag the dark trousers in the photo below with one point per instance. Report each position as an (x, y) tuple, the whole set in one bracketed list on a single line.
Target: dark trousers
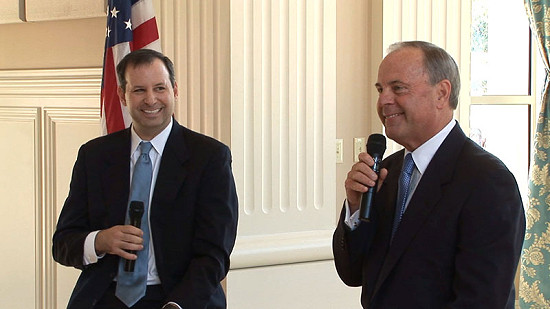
[(153, 299)]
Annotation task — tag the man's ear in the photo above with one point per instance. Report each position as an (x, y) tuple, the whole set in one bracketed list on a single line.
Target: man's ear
[(444, 91), (176, 93), (121, 96)]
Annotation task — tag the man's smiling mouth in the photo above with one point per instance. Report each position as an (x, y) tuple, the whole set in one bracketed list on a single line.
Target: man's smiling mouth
[(154, 111), (393, 115)]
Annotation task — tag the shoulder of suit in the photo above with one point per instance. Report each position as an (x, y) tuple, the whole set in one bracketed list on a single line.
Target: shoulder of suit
[(109, 141), (480, 158)]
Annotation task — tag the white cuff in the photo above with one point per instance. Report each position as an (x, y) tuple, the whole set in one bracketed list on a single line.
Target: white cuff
[(352, 221), (171, 305), (90, 256)]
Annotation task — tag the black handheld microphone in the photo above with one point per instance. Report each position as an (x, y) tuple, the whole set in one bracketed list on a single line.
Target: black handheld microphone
[(135, 212), (376, 145)]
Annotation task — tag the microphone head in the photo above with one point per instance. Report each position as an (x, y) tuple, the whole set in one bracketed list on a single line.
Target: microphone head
[(376, 145), (136, 209)]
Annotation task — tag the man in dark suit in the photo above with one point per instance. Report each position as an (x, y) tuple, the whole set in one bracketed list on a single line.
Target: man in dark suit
[(193, 203), (455, 240)]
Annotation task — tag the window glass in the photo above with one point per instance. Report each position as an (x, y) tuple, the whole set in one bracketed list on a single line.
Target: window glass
[(499, 48)]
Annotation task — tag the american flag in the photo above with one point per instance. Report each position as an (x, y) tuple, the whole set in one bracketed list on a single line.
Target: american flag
[(131, 25)]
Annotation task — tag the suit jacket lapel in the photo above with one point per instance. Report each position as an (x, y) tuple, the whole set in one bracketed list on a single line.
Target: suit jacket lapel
[(424, 200), (388, 196), (172, 171)]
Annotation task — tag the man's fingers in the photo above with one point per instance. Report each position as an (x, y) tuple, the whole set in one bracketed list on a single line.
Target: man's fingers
[(361, 177), (365, 157), (126, 255), (357, 183), (362, 174), (119, 239), (131, 230)]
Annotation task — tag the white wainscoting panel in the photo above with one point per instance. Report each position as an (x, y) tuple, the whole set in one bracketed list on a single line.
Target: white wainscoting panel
[(65, 130), (312, 285), (20, 201), (45, 115), (283, 105), (9, 12)]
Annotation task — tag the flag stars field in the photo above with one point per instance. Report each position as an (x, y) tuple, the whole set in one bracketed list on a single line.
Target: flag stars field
[(114, 12)]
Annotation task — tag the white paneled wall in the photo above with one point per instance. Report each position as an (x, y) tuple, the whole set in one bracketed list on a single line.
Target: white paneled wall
[(283, 71), (65, 129), (41, 10), (21, 209), (45, 115), (283, 113), (10, 12), (17, 11), (313, 285)]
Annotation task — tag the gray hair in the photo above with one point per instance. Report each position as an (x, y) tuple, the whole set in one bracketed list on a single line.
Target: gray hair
[(438, 63)]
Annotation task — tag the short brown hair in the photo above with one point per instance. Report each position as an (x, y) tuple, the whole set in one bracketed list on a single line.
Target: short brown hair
[(139, 57)]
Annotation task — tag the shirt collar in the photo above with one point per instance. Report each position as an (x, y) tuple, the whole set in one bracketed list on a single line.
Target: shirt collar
[(158, 141), (424, 154)]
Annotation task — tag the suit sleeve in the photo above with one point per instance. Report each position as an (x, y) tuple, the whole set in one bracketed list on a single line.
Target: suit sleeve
[(491, 231), (73, 226), (349, 248), (214, 236)]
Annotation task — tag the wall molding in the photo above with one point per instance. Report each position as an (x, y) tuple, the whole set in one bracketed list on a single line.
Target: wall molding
[(283, 248), (48, 83), (283, 123)]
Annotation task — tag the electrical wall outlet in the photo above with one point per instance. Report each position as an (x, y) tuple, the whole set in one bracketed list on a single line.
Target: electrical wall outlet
[(359, 145), (339, 150)]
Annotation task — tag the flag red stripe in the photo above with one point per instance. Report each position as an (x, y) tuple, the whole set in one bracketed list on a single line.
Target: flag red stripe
[(113, 112), (145, 33)]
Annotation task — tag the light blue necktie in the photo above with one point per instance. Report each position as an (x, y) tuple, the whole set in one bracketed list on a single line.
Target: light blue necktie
[(404, 188), (131, 286)]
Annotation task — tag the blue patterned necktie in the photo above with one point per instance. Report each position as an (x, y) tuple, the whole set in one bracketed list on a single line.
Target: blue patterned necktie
[(404, 187), (131, 286)]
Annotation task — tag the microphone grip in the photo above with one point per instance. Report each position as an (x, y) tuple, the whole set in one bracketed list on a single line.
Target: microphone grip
[(129, 265), (367, 198), (366, 204), (135, 213)]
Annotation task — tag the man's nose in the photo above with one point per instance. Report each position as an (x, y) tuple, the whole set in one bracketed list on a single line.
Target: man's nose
[(385, 97), (150, 97)]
